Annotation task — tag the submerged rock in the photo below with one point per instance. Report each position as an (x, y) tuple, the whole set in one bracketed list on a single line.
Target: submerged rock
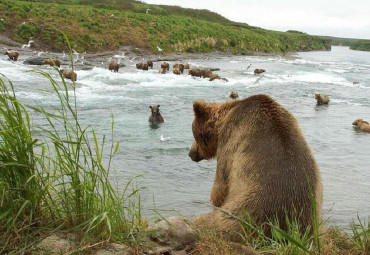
[(37, 61)]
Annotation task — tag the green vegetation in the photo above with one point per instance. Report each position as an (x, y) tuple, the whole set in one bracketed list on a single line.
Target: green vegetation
[(354, 44), (360, 45), (108, 24), (55, 177)]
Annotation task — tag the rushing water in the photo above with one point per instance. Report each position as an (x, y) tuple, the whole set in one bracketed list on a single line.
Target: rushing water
[(173, 181)]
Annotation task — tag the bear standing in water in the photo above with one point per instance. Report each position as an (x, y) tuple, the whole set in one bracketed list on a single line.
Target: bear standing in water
[(264, 165), (156, 117)]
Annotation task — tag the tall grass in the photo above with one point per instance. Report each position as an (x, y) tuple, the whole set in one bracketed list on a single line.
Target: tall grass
[(56, 177)]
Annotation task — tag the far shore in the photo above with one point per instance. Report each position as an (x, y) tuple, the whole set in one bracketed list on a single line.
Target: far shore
[(131, 52)]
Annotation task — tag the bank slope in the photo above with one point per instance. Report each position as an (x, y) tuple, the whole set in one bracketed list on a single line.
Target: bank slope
[(104, 25)]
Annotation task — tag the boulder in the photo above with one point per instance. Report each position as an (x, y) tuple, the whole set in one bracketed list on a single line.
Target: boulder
[(37, 61)]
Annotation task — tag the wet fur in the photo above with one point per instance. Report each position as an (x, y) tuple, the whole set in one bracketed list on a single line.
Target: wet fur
[(12, 55), (53, 62)]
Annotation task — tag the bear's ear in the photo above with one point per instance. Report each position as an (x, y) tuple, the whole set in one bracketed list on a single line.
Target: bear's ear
[(200, 109), (150, 106), (158, 105)]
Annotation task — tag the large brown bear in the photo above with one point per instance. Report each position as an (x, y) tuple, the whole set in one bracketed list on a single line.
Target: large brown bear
[(53, 62), (156, 117), (177, 71), (259, 71), (13, 55), (165, 65), (139, 65), (69, 74), (363, 125), (322, 99), (195, 72), (264, 165), (114, 66), (150, 64)]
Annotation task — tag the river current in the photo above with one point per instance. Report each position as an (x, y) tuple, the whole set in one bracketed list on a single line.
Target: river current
[(171, 179)]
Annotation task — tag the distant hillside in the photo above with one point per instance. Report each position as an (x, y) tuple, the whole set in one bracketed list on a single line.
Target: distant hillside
[(354, 44), (97, 25)]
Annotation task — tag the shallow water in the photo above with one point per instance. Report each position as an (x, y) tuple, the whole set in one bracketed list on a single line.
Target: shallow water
[(173, 181)]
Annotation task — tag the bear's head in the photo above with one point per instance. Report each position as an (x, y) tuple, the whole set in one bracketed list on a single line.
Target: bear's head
[(155, 110), (204, 131), (317, 96), (358, 122)]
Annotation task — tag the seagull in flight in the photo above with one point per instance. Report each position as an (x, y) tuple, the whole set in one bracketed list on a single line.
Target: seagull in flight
[(159, 49)]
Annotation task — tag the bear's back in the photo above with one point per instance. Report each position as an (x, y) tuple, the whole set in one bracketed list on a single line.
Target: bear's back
[(264, 146)]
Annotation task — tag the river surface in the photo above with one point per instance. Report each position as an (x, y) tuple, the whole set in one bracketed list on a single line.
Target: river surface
[(171, 179)]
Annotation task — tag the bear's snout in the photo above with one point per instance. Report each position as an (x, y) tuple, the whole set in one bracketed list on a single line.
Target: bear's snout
[(194, 153)]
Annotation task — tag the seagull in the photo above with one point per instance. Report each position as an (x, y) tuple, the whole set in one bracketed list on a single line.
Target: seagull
[(165, 139), (27, 45), (147, 10), (40, 53), (76, 53), (112, 15), (159, 49), (131, 60), (249, 66), (24, 22), (64, 54), (2, 19)]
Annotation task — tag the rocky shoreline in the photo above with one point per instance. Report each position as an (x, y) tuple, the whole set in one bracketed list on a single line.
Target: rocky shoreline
[(102, 59)]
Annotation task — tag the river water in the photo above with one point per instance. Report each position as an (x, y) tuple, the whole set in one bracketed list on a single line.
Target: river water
[(171, 179)]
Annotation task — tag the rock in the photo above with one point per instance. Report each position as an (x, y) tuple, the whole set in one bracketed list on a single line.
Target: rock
[(114, 249), (37, 61), (55, 245), (172, 235)]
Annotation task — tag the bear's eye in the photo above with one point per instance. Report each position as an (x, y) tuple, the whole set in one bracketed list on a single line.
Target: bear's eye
[(205, 136)]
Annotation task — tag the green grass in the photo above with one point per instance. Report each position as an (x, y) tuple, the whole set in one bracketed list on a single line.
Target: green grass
[(56, 177), (106, 24)]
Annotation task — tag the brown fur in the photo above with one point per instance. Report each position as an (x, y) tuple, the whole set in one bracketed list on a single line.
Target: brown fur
[(195, 72), (69, 74), (165, 65), (145, 67), (206, 73), (186, 66), (180, 67), (12, 55), (114, 66), (259, 71), (162, 70), (140, 65), (234, 95), (363, 125), (53, 62), (177, 71), (264, 164), (156, 117), (150, 63), (322, 99)]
